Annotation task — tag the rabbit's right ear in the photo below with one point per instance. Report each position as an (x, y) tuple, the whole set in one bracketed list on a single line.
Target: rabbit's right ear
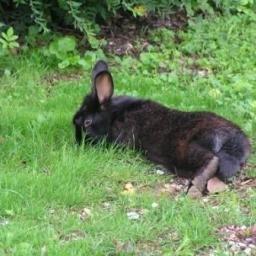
[(102, 82)]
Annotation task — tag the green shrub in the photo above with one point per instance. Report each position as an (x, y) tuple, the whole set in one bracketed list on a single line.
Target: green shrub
[(85, 16), (64, 51), (8, 41)]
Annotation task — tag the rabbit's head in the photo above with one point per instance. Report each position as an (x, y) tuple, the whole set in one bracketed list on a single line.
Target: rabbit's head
[(94, 116)]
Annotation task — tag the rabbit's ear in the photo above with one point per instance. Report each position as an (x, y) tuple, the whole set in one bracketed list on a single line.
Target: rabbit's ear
[(102, 82), (104, 87), (99, 67)]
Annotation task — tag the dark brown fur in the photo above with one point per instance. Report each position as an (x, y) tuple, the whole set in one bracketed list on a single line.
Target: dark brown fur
[(183, 142)]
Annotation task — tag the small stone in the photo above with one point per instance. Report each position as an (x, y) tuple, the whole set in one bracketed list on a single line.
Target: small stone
[(51, 211), (4, 222), (248, 251), (159, 172), (133, 215), (242, 245), (249, 240), (154, 205), (233, 248)]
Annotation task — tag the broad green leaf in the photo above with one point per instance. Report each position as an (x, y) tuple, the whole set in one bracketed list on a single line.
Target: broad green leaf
[(2, 41), (13, 38), (64, 64), (74, 59), (5, 36), (10, 32), (85, 64), (13, 45), (66, 44)]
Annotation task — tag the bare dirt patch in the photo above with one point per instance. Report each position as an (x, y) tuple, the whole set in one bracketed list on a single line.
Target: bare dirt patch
[(126, 35)]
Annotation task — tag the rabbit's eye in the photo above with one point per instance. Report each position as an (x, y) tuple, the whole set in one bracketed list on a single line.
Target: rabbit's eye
[(87, 122)]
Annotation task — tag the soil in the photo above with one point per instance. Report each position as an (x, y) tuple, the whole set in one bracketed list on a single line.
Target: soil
[(128, 35)]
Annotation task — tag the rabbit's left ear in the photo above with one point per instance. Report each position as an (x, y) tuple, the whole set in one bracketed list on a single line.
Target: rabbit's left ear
[(104, 87)]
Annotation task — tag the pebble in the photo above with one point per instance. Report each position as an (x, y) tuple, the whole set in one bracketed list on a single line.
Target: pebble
[(248, 251), (154, 205), (249, 240), (233, 248), (4, 222), (242, 245), (51, 211), (133, 215), (159, 172), (106, 205)]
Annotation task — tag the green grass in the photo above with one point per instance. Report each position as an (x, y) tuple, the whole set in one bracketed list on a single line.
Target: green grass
[(46, 181)]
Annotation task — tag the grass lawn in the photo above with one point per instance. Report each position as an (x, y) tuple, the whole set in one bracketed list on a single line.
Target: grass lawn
[(57, 199)]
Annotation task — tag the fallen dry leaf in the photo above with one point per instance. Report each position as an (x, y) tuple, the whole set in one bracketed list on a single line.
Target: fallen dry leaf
[(124, 247), (246, 182), (128, 189), (144, 248), (169, 188), (248, 232), (85, 214), (106, 205), (215, 185)]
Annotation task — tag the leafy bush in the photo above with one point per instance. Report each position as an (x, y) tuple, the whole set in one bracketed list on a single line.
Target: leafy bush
[(64, 51), (85, 15), (8, 41)]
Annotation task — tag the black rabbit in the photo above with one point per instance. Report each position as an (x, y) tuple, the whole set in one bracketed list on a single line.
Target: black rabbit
[(198, 145)]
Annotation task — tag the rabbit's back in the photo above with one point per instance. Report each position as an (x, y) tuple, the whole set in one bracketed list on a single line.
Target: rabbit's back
[(165, 135), (148, 122)]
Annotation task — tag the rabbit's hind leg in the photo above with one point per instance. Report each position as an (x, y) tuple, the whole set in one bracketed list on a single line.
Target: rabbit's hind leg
[(206, 164)]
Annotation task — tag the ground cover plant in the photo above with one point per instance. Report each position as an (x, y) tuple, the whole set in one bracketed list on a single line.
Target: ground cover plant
[(57, 199)]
